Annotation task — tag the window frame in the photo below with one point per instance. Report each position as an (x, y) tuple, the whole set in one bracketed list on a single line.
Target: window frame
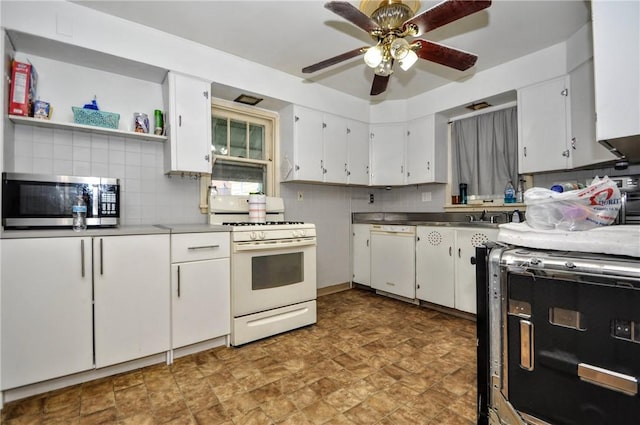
[(269, 120)]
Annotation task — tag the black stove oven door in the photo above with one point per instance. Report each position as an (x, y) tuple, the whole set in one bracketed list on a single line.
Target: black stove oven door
[(574, 349)]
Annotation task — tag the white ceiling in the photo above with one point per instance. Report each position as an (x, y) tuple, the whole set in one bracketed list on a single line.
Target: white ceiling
[(288, 35)]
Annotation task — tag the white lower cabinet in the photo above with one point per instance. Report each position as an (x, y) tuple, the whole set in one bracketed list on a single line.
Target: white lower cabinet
[(131, 291), (200, 287), (361, 252), (47, 328), (445, 264)]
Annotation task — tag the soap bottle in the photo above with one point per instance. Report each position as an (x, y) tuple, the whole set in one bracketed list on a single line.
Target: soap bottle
[(520, 192), (509, 193)]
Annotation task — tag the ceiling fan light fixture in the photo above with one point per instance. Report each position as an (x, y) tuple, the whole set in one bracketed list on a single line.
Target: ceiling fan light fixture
[(373, 57), (399, 48), (384, 69), (408, 61)]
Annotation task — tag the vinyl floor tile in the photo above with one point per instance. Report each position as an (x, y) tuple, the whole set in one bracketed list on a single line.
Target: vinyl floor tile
[(368, 360)]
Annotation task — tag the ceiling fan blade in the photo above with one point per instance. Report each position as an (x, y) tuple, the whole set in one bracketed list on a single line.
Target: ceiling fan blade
[(334, 60), (445, 12), (444, 55), (352, 14), (379, 84)]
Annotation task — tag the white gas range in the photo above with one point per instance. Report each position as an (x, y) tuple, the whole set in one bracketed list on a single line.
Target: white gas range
[(273, 269)]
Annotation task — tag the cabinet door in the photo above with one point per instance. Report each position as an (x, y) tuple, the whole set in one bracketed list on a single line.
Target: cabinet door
[(361, 255), (307, 135), (132, 297), (358, 153), (47, 328), (435, 265), (200, 301), (387, 155), (190, 133), (616, 55), (543, 126), (465, 283), (584, 148), (420, 144), (334, 138)]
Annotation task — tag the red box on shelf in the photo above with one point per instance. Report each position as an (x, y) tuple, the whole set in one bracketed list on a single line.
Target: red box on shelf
[(23, 89)]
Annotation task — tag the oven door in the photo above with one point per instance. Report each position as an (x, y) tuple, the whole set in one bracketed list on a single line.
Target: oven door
[(271, 274)]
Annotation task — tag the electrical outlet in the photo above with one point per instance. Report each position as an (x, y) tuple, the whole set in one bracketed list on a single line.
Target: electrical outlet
[(300, 196), (426, 196), (371, 198)]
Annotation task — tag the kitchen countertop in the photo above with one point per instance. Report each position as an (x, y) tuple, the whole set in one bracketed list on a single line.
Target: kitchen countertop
[(429, 219), (158, 229)]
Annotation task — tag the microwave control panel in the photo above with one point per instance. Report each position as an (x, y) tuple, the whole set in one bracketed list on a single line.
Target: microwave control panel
[(109, 201)]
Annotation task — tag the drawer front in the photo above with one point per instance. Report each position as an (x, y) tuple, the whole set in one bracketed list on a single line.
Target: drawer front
[(199, 246)]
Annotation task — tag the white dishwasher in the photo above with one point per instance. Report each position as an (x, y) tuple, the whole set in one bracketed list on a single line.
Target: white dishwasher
[(393, 254)]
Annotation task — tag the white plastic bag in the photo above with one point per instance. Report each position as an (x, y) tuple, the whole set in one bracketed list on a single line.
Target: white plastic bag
[(583, 209)]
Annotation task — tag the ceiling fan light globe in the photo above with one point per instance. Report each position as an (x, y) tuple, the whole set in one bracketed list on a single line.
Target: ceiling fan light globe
[(399, 48), (373, 56), (408, 61)]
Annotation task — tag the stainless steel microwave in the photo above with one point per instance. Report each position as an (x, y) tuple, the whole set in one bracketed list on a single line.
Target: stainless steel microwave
[(37, 201)]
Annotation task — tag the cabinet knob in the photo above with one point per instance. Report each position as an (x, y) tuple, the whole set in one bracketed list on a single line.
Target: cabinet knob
[(205, 94), (206, 158), (565, 92), (565, 153)]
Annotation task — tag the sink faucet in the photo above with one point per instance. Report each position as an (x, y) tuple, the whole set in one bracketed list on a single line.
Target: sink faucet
[(483, 215)]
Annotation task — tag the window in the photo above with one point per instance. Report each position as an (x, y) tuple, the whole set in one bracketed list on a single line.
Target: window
[(242, 147), (485, 152)]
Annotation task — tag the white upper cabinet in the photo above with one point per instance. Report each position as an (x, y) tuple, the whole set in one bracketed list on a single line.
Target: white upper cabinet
[(357, 153), (334, 158), (314, 146), (188, 124), (387, 154), (544, 126), (585, 150), (616, 54), (426, 158)]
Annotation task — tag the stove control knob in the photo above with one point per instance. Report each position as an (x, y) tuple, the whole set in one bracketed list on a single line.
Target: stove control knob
[(262, 235), (253, 235), (302, 233), (296, 233)]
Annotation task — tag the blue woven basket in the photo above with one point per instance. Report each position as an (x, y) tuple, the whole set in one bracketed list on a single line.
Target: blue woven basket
[(95, 118)]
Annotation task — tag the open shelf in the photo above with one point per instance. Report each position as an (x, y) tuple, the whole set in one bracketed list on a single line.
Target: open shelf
[(86, 128)]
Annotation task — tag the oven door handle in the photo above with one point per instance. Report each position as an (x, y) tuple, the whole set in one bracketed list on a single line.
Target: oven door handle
[(266, 245)]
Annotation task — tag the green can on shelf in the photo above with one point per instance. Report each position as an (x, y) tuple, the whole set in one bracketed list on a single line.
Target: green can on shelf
[(159, 128)]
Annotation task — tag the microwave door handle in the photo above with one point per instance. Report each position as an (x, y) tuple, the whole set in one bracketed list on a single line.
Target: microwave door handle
[(95, 200)]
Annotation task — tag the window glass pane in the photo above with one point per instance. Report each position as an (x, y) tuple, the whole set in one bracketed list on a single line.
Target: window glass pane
[(238, 139), (256, 141), (232, 178), (219, 132)]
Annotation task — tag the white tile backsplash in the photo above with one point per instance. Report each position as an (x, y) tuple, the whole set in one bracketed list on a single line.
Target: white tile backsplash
[(148, 196)]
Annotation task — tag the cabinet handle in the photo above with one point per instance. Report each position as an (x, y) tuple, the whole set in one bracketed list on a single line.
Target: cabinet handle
[(296, 119), (402, 169), (82, 255), (179, 120), (178, 281), (205, 94), (101, 259), (428, 165), (573, 143), (206, 158), (525, 151), (565, 92), (367, 169), (565, 153), (367, 242), (202, 247), (324, 125), (449, 251), (459, 252), (348, 131)]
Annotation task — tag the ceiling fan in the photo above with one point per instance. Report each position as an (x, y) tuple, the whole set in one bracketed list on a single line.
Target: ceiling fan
[(390, 23)]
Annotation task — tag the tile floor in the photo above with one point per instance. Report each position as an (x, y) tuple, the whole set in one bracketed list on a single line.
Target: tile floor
[(369, 360)]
